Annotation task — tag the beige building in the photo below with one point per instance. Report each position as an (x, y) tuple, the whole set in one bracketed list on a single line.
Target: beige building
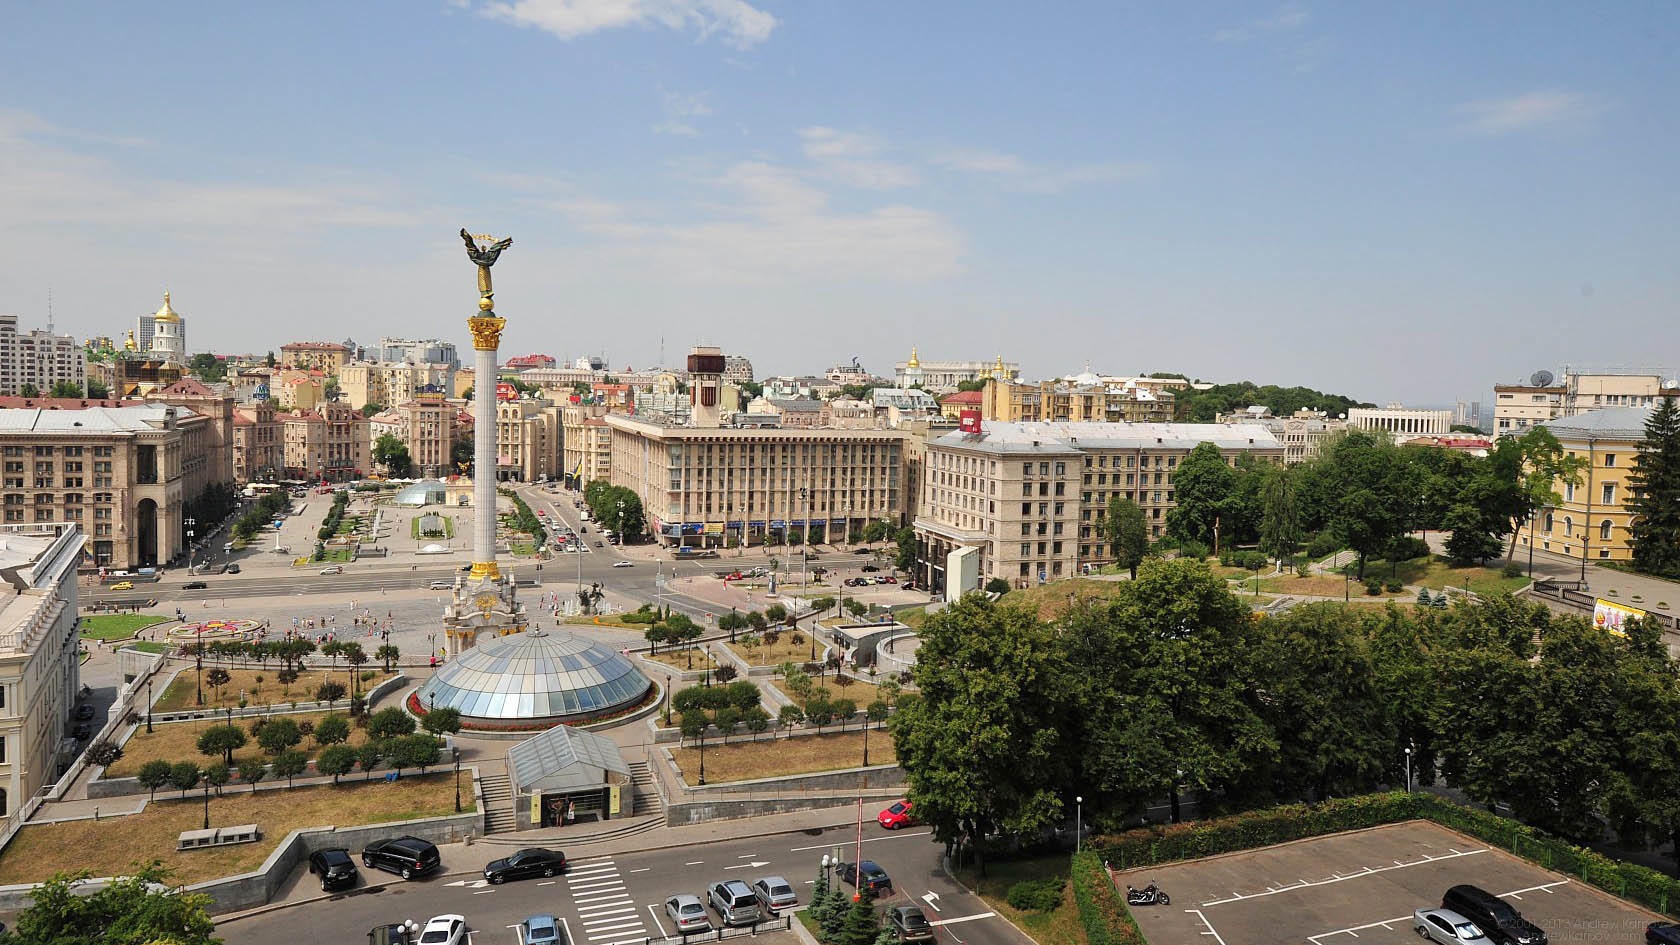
[(528, 438), (464, 382), (429, 427), (946, 375), (259, 453), (1303, 433), (328, 443), (718, 487), (1030, 497), (392, 382), (328, 357), (38, 359), (300, 390), (1516, 407), (1084, 398), (1593, 521), (40, 670), (586, 444), (125, 475)]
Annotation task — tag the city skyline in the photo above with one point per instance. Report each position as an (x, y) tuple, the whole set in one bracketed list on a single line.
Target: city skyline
[(1247, 191)]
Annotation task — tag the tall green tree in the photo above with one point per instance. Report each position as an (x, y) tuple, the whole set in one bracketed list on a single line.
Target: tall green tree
[(1370, 492), (391, 454), (207, 367), (141, 909), (1280, 516), (1203, 487), (1656, 493), (989, 745), (66, 389), (1127, 532), (221, 740)]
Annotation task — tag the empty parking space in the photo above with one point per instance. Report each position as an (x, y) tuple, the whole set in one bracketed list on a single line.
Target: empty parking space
[(1361, 888)]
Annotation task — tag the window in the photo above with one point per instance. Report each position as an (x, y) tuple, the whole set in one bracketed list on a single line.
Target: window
[(1026, 469), (1061, 469), (1569, 492), (1548, 520), (1604, 531), (1026, 548), (1609, 493), (1026, 508), (1568, 527), (1609, 459)]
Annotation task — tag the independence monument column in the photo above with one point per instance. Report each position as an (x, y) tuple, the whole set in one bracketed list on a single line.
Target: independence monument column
[(484, 599)]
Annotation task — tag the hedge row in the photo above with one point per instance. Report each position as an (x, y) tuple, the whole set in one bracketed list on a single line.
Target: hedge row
[(1150, 846), (1106, 919)]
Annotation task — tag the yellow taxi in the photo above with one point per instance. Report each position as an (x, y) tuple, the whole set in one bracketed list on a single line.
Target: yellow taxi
[(123, 586)]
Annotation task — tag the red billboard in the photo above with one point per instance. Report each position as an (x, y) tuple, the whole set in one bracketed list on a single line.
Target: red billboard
[(969, 421)]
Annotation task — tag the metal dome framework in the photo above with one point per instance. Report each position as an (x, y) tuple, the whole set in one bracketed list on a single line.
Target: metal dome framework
[(536, 677)]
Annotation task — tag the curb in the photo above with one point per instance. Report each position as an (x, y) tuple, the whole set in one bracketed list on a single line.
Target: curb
[(277, 906)]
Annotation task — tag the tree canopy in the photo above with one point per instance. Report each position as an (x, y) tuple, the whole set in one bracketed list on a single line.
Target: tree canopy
[(1656, 493), (132, 910)]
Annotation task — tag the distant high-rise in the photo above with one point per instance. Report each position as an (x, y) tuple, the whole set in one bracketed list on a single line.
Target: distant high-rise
[(425, 351), (705, 368), (38, 358)]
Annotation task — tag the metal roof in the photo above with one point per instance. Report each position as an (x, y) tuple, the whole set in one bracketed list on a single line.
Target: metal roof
[(564, 759), (536, 676), (1618, 423), (1065, 437)]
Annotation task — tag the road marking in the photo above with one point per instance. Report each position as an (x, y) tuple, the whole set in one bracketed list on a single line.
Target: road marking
[(1210, 930), (548, 883), (847, 843), (621, 894), (598, 885), (964, 918), (694, 862), (931, 898), (568, 930), (626, 917), (484, 892), (1355, 930), (586, 871), (1544, 887), (746, 856), (656, 923), (1306, 884), (609, 931), (643, 869), (755, 864), (617, 908)]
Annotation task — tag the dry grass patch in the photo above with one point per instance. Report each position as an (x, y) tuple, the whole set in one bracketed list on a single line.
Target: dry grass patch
[(1322, 585), (1060, 926), (683, 659), (178, 741), (783, 650), (746, 760), (182, 694), (40, 850), (1052, 600), (860, 692)]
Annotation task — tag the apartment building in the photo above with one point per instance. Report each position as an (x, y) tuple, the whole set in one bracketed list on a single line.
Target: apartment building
[(1516, 407), (424, 351), (586, 443), (737, 369), (328, 357), (328, 443), (1083, 398), (1030, 497), (124, 474), (40, 667), (259, 449), (1303, 433), (429, 426), (528, 435), (392, 382), (725, 487), (38, 359), (1593, 521)]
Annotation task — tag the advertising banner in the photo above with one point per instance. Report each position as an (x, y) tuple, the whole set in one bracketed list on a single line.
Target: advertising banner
[(968, 421), (1609, 615)]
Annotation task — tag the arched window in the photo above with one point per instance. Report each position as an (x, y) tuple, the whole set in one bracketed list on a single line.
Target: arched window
[(1568, 527), (1548, 520), (1604, 531)]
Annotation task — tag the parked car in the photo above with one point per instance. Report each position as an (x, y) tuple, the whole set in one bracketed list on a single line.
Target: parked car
[(1446, 927), (335, 867), (542, 930), (889, 579), (619, 564), (873, 877), (532, 861), (869, 568), (898, 815), (83, 732), (734, 902), (440, 585), (774, 894), (123, 586), (687, 914), (389, 935), (444, 930), (1498, 919), (333, 569), (1662, 933), (908, 924), (230, 569), (84, 712), (195, 586), (408, 857)]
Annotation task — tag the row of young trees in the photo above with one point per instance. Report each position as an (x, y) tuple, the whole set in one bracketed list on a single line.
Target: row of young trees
[(1362, 492), (1173, 685)]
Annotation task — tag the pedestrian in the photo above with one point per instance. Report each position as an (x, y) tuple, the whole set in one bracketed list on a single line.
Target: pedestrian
[(571, 811)]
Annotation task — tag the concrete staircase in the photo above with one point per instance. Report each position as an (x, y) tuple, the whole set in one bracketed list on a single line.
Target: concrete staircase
[(645, 790), (498, 803)]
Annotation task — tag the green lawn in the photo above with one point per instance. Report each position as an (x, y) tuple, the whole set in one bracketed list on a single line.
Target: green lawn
[(448, 528), (340, 555), (1060, 926), (1436, 573), (147, 647), (117, 626)]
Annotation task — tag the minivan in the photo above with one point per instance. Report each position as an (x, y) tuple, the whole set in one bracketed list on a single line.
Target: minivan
[(1496, 918), (408, 857)]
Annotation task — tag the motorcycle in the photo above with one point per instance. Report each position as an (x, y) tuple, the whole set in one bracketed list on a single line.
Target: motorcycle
[(1150, 895)]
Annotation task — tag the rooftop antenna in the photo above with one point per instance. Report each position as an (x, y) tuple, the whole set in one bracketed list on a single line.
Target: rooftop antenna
[(49, 310)]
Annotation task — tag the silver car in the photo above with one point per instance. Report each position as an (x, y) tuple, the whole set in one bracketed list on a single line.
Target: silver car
[(774, 894), (687, 914), (734, 902), (1446, 927)]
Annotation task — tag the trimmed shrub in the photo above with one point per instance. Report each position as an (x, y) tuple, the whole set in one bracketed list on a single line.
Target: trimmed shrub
[(1035, 895), (1373, 587), (1512, 570)]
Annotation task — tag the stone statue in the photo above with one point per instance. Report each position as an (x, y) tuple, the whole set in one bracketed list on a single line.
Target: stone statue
[(484, 258)]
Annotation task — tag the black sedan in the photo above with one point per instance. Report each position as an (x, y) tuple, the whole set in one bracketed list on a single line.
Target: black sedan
[(1662, 933), (195, 586), (873, 877), (335, 867), (533, 861)]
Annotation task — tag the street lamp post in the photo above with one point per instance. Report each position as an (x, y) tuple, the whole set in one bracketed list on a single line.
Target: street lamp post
[(1408, 769), (702, 758), (199, 661), (207, 804), (1078, 822), (148, 705), (457, 752)]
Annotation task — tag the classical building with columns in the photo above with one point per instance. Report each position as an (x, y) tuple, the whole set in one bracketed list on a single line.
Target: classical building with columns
[(1404, 423)]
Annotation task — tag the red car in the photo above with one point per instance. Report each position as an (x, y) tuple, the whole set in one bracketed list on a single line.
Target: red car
[(897, 816)]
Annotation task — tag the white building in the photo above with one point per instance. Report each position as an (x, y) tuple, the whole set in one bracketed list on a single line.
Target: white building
[(424, 351), (1404, 423), (39, 669), (38, 358), (168, 339)]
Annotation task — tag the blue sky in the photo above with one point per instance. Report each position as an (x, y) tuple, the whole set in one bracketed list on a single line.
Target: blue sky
[(1395, 201)]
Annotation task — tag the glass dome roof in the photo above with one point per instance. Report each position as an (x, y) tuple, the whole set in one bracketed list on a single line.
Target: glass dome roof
[(535, 676), (424, 492)]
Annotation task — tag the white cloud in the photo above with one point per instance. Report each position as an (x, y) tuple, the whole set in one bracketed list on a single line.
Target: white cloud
[(737, 22), (853, 158), (1528, 112), (1287, 18), (1017, 173), (681, 110)]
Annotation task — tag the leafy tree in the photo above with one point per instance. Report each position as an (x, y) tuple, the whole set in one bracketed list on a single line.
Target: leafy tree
[(29, 390), (251, 771), (66, 389), (289, 764), (1280, 515), (1656, 493), (694, 724), (329, 692), (989, 741), (336, 760), (756, 719), (390, 722), (819, 712), (356, 657), (855, 607), (726, 718), (332, 730), (370, 409), (1127, 532), (843, 709), (184, 776), (217, 678), (145, 908), (859, 927), (1474, 535), (279, 735), (775, 613), (1203, 487), (153, 775), (96, 390), (221, 740), (104, 752), (1368, 491), (905, 538), (391, 454), (441, 720), (387, 654), (370, 753), (790, 717), (216, 775), (207, 367)]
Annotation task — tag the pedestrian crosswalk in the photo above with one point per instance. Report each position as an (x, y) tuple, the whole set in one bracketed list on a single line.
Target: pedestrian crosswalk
[(604, 907)]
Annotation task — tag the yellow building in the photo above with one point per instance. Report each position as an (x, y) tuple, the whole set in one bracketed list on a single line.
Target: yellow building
[(328, 357), (1083, 398), (1592, 521)]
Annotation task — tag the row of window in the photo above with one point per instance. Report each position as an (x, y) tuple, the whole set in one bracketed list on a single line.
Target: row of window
[(49, 450)]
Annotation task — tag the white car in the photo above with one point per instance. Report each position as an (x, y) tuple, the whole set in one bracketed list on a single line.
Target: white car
[(334, 569), (444, 930), (624, 564), (1446, 927)]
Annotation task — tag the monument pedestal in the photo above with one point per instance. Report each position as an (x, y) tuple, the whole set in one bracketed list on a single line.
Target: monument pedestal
[(482, 607)]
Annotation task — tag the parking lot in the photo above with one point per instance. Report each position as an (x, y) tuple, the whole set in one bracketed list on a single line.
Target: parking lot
[(1361, 888)]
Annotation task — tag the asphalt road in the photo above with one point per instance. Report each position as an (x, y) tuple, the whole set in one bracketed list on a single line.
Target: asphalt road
[(619, 898)]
